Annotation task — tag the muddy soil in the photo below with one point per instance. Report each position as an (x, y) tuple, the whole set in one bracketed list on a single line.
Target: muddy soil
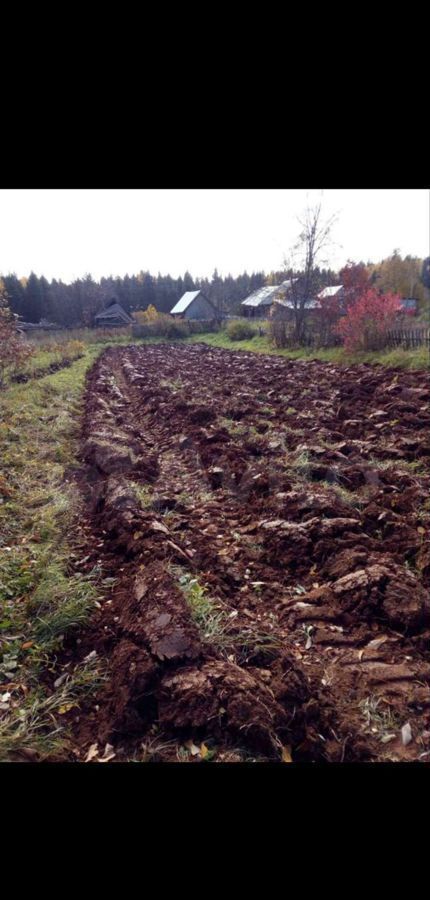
[(266, 524)]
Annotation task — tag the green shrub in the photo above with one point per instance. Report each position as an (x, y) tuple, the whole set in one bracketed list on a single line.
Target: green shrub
[(176, 329), (240, 331)]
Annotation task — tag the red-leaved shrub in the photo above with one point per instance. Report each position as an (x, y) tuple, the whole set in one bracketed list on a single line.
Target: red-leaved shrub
[(368, 319)]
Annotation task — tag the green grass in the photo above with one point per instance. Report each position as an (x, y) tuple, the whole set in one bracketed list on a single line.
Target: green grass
[(33, 726), (405, 359), (55, 348), (42, 597), (415, 466), (144, 494), (232, 426), (89, 336), (217, 627), (209, 615), (221, 339), (348, 497), (379, 718), (300, 463), (46, 354)]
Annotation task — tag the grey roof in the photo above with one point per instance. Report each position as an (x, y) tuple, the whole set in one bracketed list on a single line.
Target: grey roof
[(264, 296), (408, 302), (289, 304), (330, 291), (114, 311), (185, 301)]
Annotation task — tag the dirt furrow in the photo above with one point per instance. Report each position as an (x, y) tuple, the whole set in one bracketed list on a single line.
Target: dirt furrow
[(266, 522)]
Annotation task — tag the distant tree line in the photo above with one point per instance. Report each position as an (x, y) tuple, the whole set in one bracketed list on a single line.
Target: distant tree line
[(35, 298), (77, 303)]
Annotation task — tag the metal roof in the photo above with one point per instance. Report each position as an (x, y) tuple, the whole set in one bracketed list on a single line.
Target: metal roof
[(330, 291), (264, 296), (184, 302), (289, 304)]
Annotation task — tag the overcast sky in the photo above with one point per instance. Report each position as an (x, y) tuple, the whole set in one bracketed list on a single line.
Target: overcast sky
[(67, 233)]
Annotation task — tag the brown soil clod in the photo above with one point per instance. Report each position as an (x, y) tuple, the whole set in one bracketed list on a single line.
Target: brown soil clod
[(270, 577)]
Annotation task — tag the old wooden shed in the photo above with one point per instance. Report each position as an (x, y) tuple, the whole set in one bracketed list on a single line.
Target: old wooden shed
[(194, 305), (112, 316)]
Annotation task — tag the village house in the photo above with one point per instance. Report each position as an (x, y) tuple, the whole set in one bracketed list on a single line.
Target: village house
[(112, 316), (259, 303), (336, 291), (409, 306), (283, 308), (194, 305)]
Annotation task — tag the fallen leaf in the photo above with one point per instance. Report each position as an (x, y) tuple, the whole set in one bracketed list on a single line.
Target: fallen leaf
[(108, 754), (158, 526), (406, 734), (377, 642), (286, 755), (190, 745), (27, 645), (92, 752), (203, 751)]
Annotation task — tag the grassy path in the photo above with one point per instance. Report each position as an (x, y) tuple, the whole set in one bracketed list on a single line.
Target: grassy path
[(43, 596), (405, 359)]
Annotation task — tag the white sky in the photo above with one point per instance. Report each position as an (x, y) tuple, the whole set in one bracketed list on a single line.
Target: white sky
[(67, 233)]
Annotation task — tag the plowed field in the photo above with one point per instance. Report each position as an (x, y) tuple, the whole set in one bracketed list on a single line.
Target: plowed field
[(266, 524)]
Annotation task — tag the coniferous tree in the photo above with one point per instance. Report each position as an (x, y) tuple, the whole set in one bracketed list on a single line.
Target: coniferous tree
[(34, 299)]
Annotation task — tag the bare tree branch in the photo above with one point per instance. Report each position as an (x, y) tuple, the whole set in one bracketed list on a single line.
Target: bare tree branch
[(314, 237)]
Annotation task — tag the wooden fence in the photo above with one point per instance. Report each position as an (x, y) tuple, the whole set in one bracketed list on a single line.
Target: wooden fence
[(408, 337)]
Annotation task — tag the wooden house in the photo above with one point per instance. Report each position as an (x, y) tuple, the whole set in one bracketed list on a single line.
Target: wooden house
[(194, 305)]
